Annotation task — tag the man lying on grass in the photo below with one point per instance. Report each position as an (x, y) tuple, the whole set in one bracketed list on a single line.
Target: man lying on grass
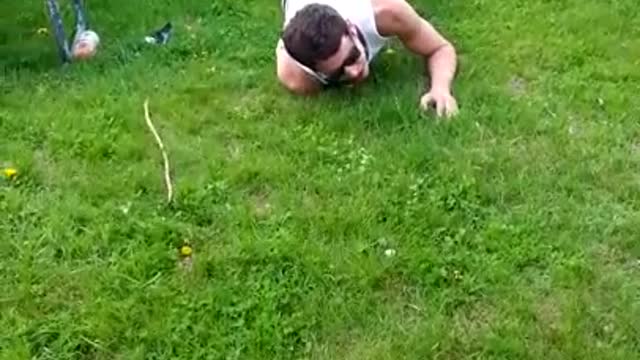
[(330, 42)]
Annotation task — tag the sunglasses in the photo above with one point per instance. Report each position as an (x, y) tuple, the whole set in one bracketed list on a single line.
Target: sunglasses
[(352, 58)]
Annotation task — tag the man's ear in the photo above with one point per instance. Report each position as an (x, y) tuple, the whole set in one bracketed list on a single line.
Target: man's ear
[(351, 28)]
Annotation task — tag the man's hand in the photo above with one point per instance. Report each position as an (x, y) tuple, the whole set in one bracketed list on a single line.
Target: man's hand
[(443, 102)]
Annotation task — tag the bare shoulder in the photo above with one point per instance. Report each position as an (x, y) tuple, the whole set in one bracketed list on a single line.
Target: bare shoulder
[(291, 76), (392, 16), (399, 19)]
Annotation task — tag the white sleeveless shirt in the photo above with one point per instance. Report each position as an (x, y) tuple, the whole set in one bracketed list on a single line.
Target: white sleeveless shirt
[(358, 12)]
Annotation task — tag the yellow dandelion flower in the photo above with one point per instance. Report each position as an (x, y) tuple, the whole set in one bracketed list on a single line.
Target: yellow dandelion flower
[(10, 173), (186, 250)]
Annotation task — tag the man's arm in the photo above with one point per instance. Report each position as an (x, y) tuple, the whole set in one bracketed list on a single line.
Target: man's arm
[(419, 36), (292, 77)]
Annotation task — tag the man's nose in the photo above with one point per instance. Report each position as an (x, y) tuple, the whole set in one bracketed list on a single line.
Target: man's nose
[(352, 71)]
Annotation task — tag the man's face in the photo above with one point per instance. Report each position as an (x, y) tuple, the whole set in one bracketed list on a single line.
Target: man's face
[(349, 63)]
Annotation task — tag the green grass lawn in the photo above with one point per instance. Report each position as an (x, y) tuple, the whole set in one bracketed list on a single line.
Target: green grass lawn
[(349, 226)]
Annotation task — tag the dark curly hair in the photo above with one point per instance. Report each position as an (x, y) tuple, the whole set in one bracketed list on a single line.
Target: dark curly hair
[(314, 34)]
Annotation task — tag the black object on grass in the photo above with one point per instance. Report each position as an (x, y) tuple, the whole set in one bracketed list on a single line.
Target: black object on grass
[(161, 36)]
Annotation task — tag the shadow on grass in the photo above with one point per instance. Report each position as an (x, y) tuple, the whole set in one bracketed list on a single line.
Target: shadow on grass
[(30, 59), (23, 52)]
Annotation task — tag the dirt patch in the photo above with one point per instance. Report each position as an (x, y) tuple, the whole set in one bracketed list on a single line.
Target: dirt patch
[(548, 312), (261, 205), (613, 259), (45, 166), (234, 150), (575, 125), (517, 86), (475, 320)]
